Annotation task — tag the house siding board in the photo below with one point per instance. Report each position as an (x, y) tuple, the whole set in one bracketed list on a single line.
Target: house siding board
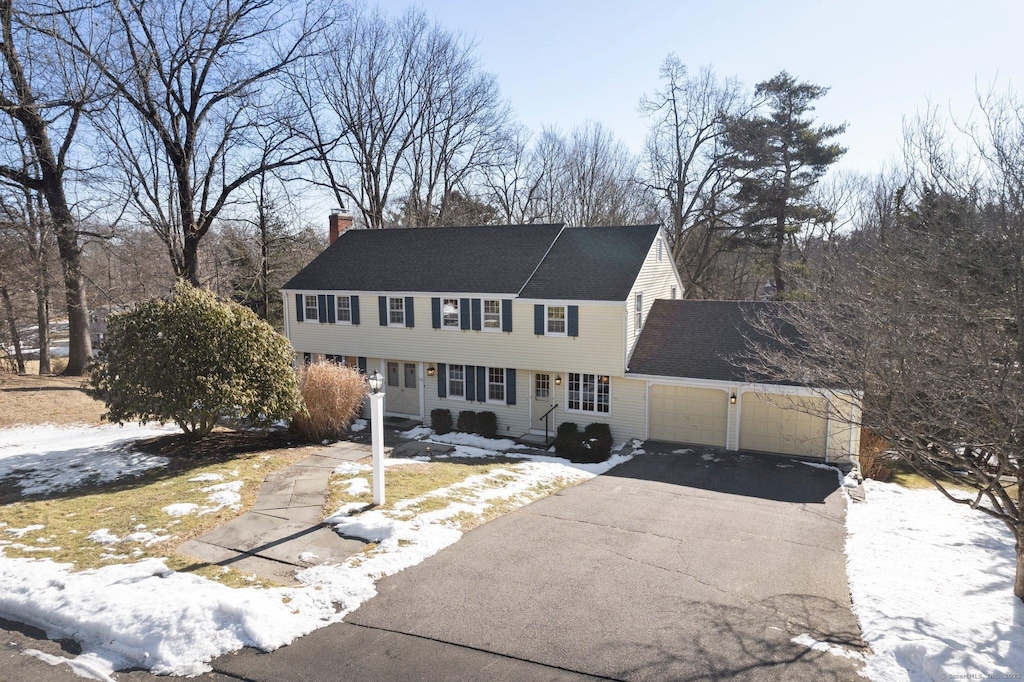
[(655, 280), (599, 350)]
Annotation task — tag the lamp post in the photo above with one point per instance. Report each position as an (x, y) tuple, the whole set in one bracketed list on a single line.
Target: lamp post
[(376, 382)]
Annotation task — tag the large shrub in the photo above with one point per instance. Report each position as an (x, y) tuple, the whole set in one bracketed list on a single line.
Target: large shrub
[(191, 359), (333, 395), (487, 424), (593, 444), (466, 421), (440, 421)]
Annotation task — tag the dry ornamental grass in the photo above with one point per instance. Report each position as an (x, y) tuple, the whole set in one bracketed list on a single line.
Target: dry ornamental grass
[(333, 395)]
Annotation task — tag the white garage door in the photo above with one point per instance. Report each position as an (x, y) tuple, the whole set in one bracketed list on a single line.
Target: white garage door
[(680, 414), (777, 424)]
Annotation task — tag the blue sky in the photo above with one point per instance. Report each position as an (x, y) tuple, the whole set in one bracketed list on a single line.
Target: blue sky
[(563, 62)]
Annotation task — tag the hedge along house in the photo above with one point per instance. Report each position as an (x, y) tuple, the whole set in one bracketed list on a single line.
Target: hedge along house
[(536, 323)]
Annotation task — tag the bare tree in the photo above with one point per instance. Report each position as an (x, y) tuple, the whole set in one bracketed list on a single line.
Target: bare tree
[(512, 183), (926, 318), (43, 99), (686, 165), (194, 84)]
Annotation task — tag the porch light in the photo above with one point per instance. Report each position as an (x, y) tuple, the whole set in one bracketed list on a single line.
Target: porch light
[(431, 371), (558, 380), (376, 382), (732, 399)]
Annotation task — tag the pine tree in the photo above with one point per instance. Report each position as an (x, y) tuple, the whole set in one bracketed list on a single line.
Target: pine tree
[(781, 155)]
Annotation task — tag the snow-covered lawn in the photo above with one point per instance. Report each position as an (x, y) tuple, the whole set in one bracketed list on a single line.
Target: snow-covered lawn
[(145, 614), (932, 587)]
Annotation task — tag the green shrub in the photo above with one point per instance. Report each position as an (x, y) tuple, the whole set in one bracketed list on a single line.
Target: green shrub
[(467, 421), (594, 444), (567, 440), (440, 421), (487, 424), (191, 359), (333, 396)]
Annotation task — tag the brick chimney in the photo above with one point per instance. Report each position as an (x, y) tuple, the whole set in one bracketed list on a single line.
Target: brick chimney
[(340, 221)]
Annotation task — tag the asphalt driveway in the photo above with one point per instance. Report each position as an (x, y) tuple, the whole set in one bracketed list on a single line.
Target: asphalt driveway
[(694, 566)]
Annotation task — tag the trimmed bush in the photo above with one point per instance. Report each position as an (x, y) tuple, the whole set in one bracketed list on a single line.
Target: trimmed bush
[(567, 440), (487, 424), (467, 421), (333, 395), (192, 359), (597, 441), (594, 444), (440, 421)]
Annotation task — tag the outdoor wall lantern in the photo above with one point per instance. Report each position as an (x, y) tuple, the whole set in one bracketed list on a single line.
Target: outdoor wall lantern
[(431, 371), (732, 399), (558, 380), (376, 382)]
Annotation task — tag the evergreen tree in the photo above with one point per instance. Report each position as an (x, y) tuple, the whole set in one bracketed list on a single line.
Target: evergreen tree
[(781, 155)]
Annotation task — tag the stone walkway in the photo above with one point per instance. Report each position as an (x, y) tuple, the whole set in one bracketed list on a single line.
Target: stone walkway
[(283, 532)]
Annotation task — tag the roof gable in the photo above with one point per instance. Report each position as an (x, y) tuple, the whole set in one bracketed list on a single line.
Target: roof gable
[(699, 339), (592, 264)]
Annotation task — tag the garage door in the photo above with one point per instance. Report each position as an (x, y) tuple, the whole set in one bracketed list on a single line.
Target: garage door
[(776, 425), (689, 415)]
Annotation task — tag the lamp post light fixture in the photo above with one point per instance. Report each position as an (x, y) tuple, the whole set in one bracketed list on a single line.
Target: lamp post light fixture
[(376, 382)]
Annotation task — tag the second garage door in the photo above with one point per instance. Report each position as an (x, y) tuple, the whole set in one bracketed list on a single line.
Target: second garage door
[(790, 426), (680, 414)]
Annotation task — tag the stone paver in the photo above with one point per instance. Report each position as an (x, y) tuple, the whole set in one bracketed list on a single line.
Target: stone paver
[(284, 523)]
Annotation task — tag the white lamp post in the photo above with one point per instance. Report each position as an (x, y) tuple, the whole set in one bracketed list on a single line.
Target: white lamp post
[(376, 382)]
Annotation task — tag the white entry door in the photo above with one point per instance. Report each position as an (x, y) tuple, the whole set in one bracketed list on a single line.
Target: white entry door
[(402, 389)]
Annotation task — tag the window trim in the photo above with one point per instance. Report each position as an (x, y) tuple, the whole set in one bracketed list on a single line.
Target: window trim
[(401, 302), (504, 386), (483, 314), (458, 315), (448, 380), (338, 309), (638, 313), (536, 385), (547, 320), (306, 317), (597, 384)]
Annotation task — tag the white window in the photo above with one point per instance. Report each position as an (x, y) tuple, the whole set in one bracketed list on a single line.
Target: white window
[(496, 384), (396, 311), (639, 312), (589, 393), (456, 381), (556, 319), (450, 313), (312, 312), (492, 315), (674, 293), (661, 250), (344, 309), (542, 386)]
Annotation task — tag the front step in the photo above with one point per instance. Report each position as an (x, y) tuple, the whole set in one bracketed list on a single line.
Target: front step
[(535, 441)]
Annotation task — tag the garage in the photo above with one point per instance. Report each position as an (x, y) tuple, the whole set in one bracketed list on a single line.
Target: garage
[(682, 414), (784, 425)]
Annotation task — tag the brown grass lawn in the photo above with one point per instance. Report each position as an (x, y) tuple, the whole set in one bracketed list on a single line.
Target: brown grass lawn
[(33, 399)]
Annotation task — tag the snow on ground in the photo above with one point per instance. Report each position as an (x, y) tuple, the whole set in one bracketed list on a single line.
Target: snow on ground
[(932, 586), (357, 426), (47, 458), (143, 614)]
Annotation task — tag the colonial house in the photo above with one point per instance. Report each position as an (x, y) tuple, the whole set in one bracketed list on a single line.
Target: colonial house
[(542, 324)]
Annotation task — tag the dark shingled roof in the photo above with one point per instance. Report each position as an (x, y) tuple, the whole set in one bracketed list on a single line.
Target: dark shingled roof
[(701, 340), (592, 264), (486, 260), (582, 264)]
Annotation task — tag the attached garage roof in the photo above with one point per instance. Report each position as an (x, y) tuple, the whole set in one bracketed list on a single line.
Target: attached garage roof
[(700, 340)]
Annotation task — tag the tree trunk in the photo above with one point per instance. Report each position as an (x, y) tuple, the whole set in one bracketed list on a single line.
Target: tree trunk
[(777, 273), (190, 256), (43, 324), (79, 337), (12, 323), (1018, 581)]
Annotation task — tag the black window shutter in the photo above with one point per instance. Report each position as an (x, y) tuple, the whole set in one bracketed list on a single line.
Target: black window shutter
[(442, 380), (382, 304), (332, 309), (410, 317), (321, 306), (476, 314), (361, 364), (464, 313), (510, 386), (300, 309), (435, 313), (538, 319), (354, 304), (469, 372), (574, 320), (481, 384), (506, 315)]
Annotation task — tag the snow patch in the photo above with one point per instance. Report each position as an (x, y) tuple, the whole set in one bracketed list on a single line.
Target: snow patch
[(357, 426), (22, 532), (827, 647), (357, 486), (103, 536), (180, 508), (349, 469), (204, 478)]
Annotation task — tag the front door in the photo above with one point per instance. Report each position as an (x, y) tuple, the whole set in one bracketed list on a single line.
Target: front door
[(402, 388), (543, 391)]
